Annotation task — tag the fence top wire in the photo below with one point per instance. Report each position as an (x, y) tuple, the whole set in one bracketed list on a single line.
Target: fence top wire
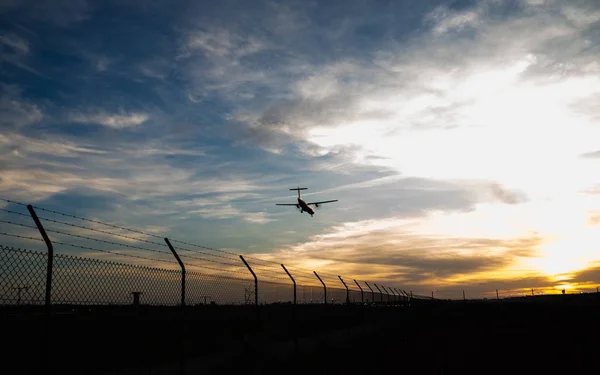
[(20, 236), (121, 228), (266, 263), (18, 224)]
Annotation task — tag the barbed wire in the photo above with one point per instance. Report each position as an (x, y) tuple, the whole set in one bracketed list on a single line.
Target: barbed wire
[(141, 257), (276, 265), (201, 252), (96, 221), (19, 224), (14, 212), (105, 241), (114, 252), (15, 202), (20, 236), (125, 245), (206, 247), (266, 263), (116, 227), (139, 248), (121, 236), (101, 231)]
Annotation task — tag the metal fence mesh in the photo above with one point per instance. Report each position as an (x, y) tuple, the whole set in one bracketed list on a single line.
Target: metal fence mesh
[(86, 281), (89, 281), (22, 276)]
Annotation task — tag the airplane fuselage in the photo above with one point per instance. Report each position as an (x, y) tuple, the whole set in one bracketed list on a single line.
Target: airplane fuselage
[(305, 207)]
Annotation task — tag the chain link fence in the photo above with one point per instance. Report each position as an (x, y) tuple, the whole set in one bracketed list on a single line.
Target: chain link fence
[(85, 281)]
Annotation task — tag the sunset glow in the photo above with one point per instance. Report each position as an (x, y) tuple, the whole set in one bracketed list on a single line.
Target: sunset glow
[(462, 142)]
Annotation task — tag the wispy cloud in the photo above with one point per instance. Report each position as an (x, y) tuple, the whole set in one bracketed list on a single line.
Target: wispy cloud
[(16, 42), (111, 120), (593, 155), (16, 50), (62, 13), (222, 43), (17, 111), (507, 196), (445, 20), (392, 250)]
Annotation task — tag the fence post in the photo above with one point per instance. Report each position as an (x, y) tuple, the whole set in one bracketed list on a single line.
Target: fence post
[(362, 299), (380, 294), (294, 281), (395, 299), (497, 297), (324, 286), (347, 291), (255, 280), (49, 265), (184, 328), (405, 297), (372, 292), (464, 298), (182, 271), (388, 294), (294, 325)]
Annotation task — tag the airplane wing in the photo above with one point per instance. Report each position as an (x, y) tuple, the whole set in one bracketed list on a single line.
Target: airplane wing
[(286, 204), (318, 203)]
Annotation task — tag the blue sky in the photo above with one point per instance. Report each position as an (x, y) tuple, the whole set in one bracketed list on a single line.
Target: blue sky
[(452, 132)]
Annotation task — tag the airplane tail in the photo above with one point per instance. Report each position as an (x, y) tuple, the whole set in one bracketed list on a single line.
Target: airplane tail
[(299, 188)]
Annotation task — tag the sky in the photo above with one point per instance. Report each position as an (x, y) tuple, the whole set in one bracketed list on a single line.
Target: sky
[(460, 137)]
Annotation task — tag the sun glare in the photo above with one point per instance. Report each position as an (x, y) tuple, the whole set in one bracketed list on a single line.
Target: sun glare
[(568, 254)]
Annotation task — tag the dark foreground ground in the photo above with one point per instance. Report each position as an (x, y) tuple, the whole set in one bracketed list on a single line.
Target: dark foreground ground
[(528, 336)]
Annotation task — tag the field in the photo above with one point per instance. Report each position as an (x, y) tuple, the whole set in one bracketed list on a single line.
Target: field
[(526, 335)]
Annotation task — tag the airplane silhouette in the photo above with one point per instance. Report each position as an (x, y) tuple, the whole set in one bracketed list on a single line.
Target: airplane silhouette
[(302, 205)]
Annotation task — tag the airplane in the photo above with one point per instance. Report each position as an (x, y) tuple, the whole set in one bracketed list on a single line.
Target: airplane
[(302, 205)]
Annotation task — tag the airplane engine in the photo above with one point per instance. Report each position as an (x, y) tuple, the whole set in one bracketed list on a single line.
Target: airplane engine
[(316, 205)]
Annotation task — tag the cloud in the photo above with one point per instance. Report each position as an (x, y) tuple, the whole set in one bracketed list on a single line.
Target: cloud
[(390, 249), (115, 121), (445, 20), (258, 218), (62, 13), (433, 80), (410, 112), (102, 64), (589, 275), (505, 196), (222, 43), (594, 219), (59, 163), (221, 206), (591, 155), (16, 42), (16, 111), (154, 173), (16, 50)]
